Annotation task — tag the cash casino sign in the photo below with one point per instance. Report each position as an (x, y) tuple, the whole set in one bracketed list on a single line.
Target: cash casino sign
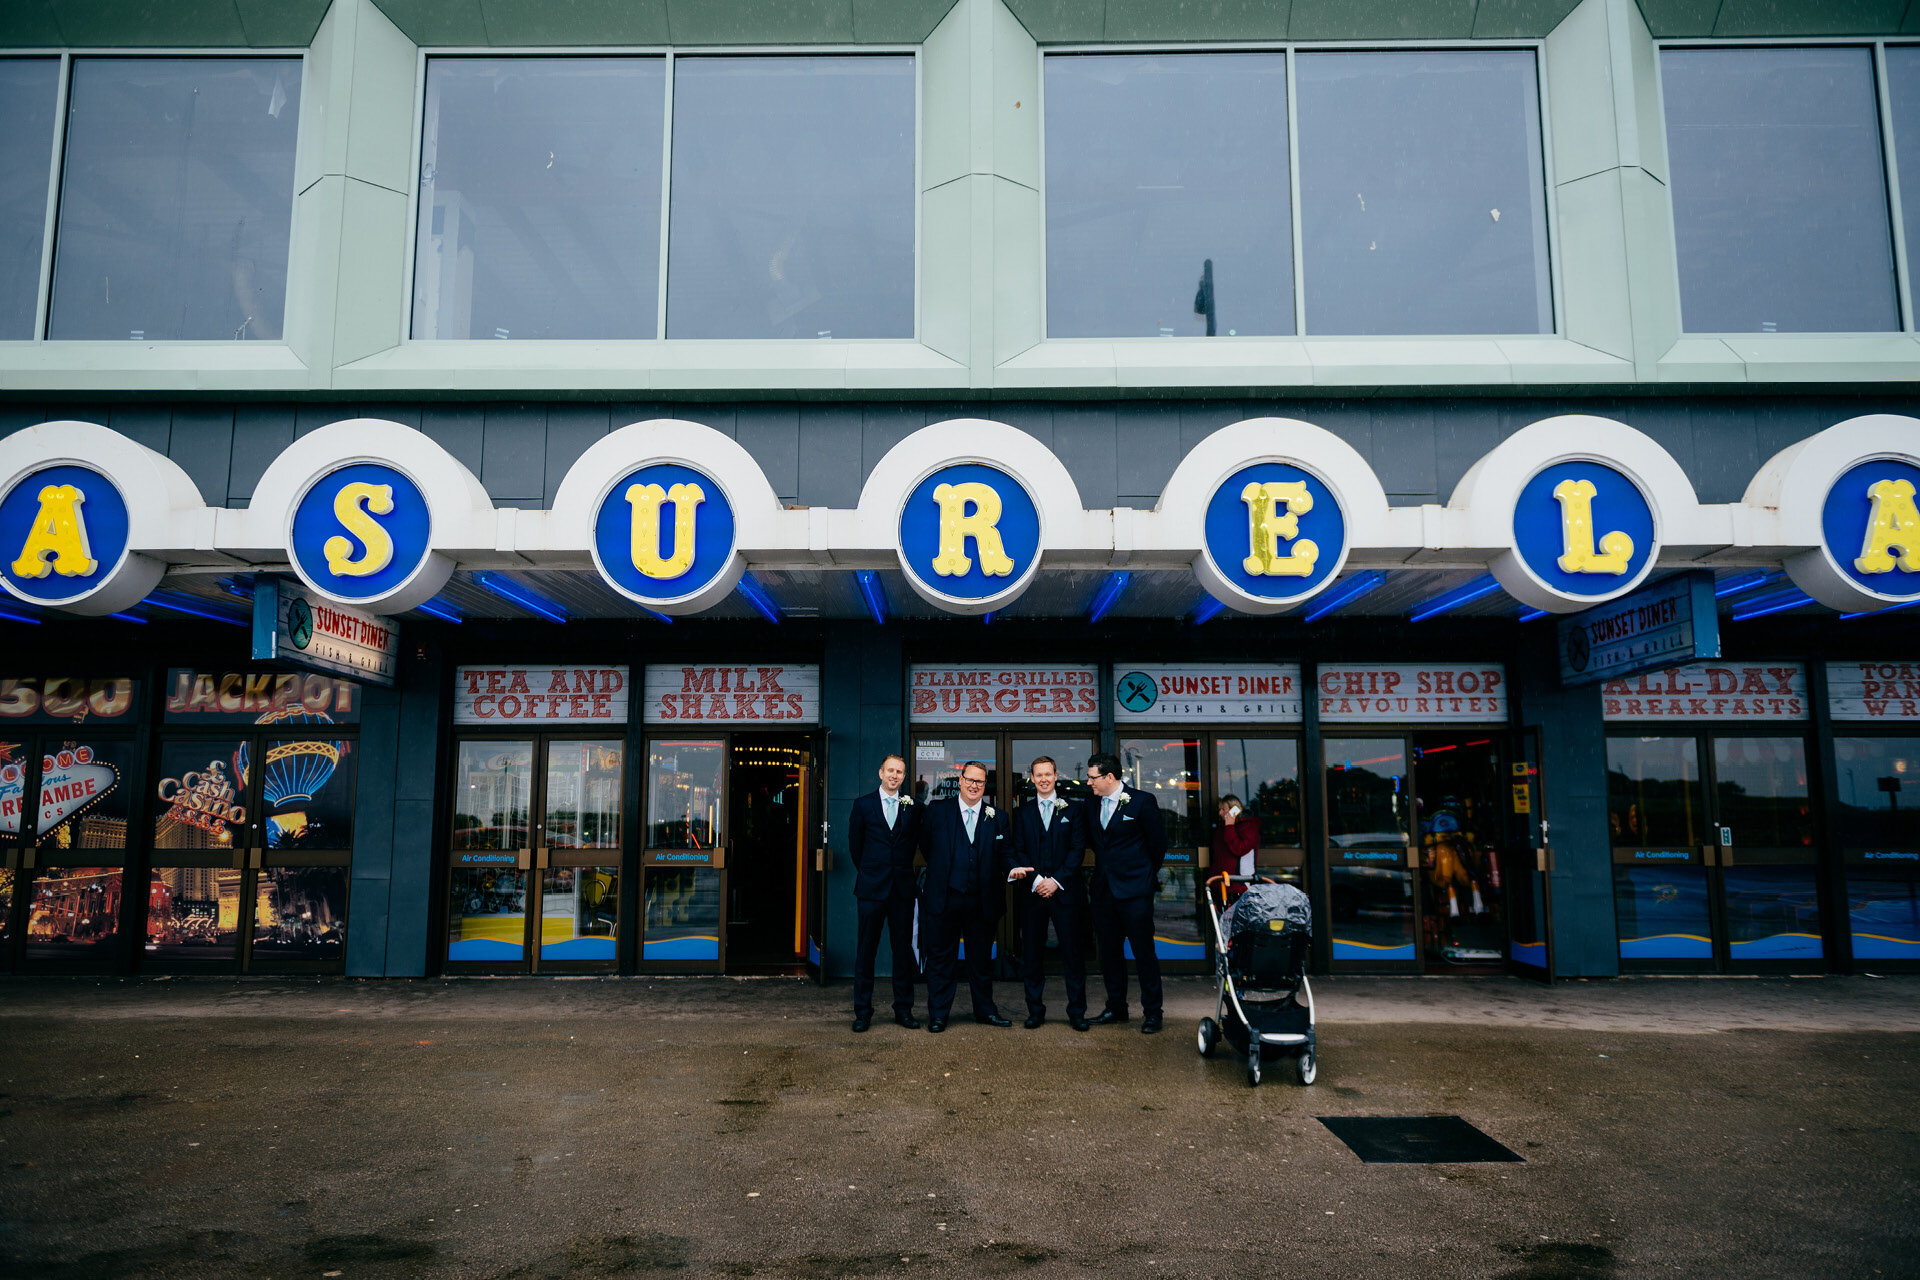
[(1567, 513)]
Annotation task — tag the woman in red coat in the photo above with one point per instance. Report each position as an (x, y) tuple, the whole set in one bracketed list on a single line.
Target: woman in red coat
[(1235, 839)]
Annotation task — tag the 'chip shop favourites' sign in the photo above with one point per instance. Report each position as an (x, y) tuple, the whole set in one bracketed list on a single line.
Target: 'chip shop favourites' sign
[(1873, 690), (1412, 692), (543, 695), (1013, 695), (1710, 691), (1205, 692), (758, 694)]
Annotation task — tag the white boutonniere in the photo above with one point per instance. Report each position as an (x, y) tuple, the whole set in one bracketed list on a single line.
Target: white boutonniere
[(1059, 805), (1124, 797), (906, 799), (989, 809)]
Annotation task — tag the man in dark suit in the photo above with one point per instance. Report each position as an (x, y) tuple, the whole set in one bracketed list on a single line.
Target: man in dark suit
[(965, 840), (1049, 839), (1129, 842), (882, 834)]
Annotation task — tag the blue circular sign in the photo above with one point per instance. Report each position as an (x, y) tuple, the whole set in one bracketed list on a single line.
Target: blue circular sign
[(1136, 691), (1584, 529), (360, 532), (1868, 525), (970, 532), (63, 533), (663, 532), (1275, 531)]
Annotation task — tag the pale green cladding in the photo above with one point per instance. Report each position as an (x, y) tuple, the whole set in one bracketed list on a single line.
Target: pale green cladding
[(981, 318)]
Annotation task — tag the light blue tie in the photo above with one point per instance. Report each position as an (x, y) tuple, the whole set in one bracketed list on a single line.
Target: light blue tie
[(892, 808), (1046, 815), (1106, 811), (968, 814)]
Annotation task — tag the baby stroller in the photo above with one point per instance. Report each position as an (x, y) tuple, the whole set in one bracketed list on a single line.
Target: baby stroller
[(1260, 957)]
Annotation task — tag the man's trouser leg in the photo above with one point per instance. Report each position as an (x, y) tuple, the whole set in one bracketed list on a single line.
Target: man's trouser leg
[(1108, 931), (900, 934), (940, 936), (873, 917), (980, 931), (1137, 914)]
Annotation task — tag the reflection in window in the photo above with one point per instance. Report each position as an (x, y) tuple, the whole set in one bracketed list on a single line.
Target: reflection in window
[(683, 793), (540, 198), (29, 92), (1422, 193), (583, 795), (1878, 783), (1168, 769), (1366, 791), (792, 205), (493, 795), (937, 762), (1653, 792), (1762, 786), (1265, 774), (8, 879), (683, 914), (193, 913), (579, 913), (1779, 196), (75, 911), (486, 914), (176, 198), (202, 794), (1167, 195), (1069, 765)]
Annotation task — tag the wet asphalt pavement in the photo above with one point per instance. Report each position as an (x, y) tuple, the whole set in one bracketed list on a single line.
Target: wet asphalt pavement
[(738, 1128)]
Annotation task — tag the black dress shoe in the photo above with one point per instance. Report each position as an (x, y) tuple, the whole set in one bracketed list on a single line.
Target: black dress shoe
[(861, 1024), (1108, 1016), (907, 1020), (1149, 1024), (936, 1025), (1079, 1024), (1034, 1020), (992, 1020)]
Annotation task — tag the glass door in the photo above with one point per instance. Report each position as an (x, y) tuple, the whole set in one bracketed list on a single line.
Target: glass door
[(1372, 909), (1715, 861), (1260, 776), (534, 871), (1069, 756), (1168, 767), (769, 837), (1528, 887), (63, 857), (683, 868), (1462, 802), (1880, 819)]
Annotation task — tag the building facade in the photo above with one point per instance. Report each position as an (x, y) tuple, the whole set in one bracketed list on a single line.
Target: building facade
[(484, 484)]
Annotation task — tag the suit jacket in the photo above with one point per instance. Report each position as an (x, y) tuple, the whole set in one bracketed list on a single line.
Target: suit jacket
[(1054, 851), (1129, 850), (882, 855), (943, 838)]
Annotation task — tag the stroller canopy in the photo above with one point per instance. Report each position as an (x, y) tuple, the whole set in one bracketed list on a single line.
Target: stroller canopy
[(1262, 904)]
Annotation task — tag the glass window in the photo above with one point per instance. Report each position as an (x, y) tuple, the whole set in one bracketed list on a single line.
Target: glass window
[(75, 912), (203, 794), (1903, 98), (682, 914), (82, 802), (540, 198), (1366, 791), (193, 913), (583, 795), (937, 763), (176, 199), (1779, 198), (1762, 786), (1653, 792), (683, 792), (1872, 777), (1422, 193), (493, 795), (13, 788), (486, 914), (793, 205), (1070, 757), (1264, 773), (300, 913), (29, 100), (307, 789), (1168, 769), (1168, 210), (579, 913), (7, 880)]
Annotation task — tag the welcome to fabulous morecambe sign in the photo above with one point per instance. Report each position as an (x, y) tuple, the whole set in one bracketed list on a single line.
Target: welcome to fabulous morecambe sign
[(1567, 513)]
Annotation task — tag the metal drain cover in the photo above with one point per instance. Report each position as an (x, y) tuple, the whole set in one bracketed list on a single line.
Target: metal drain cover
[(1417, 1140)]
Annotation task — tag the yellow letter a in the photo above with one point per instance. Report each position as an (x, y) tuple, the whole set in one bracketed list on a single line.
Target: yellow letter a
[(645, 499), (348, 510), (1894, 523), (957, 524), (1576, 533), (57, 540)]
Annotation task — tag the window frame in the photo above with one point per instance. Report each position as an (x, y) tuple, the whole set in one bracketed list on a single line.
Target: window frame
[(669, 55), (1301, 333), (1877, 47), (303, 143)]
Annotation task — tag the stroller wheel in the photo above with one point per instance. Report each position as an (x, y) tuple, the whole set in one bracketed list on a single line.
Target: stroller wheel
[(1253, 1063), (1209, 1036), (1305, 1068)]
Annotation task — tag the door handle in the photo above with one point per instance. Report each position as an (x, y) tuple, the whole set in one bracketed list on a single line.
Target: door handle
[(820, 859), (523, 859), (541, 858)]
